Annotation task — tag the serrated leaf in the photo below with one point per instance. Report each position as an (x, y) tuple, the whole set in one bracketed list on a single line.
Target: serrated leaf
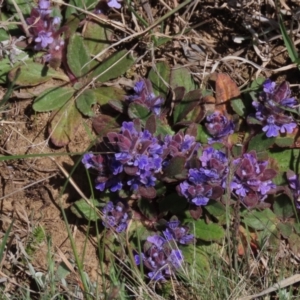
[(260, 220), (64, 123), (113, 67), (53, 98), (85, 101), (283, 207), (260, 142), (208, 232), (97, 36), (84, 210), (159, 82), (173, 203), (105, 94), (138, 111), (32, 73), (78, 56), (181, 76)]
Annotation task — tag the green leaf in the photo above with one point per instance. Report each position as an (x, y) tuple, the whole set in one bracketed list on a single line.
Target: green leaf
[(82, 209), (138, 111), (78, 56), (5, 239), (297, 227), (113, 67), (159, 77), (239, 107), (33, 73), (181, 76), (163, 128), (294, 242), (208, 232), (293, 54), (85, 101), (175, 167), (284, 141), (260, 142), (202, 135), (190, 101), (53, 98), (147, 208), (24, 5), (172, 203), (97, 36), (283, 207), (285, 229), (64, 123), (73, 4), (201, 264), (260, 220), (105, 94), (286, 159), (216, 209)]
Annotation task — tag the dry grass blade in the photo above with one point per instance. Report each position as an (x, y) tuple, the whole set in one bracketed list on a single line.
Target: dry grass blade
[(280, 285)]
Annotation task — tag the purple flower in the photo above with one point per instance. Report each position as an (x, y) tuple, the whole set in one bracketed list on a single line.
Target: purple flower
[(218, 126), (252, 180), (43, 40), (178, 233), (115, 216), (43, 7), (272, 109), (144, 96), (46, 34), (294, 184), (159, 258), (114, 4), (271, 128)]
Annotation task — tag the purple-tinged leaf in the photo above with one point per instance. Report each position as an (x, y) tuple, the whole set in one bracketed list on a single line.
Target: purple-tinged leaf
[(150, 124), (195, 211), (63, 124), (147, 192)]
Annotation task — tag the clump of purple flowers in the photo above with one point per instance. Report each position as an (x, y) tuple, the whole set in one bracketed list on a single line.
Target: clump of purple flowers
[(107, 169), (115, 216), (252, 180), (159, 258), (294, 183), (143, 94), (45, 30), (218, 126), (271, 109), (207, 181), (180, 144), (178, 233)]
